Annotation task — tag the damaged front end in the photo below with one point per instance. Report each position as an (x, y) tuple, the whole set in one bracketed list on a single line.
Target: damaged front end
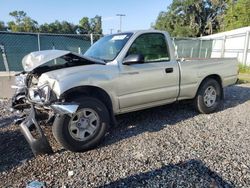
[(36, 106), (36, 102), (26, 103)]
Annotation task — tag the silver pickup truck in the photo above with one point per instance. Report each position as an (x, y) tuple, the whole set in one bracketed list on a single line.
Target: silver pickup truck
[(120, 73)]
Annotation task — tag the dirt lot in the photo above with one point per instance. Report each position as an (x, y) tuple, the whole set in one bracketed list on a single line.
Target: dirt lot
[(168, 146)]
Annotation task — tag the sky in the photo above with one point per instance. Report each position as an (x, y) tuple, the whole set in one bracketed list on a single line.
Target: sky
[(140, 14)]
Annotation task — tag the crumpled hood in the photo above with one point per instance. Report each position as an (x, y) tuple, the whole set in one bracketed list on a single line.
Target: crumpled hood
[(63, 79), (39, 58), (68, 72)]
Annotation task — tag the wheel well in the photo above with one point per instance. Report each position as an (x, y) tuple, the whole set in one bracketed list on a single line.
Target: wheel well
[(215, 77), (91, 91)]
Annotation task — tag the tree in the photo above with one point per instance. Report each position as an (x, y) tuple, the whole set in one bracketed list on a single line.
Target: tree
[(68, 28), (22, 23), (63, 27), (237, 15), (44, 28), (2, 26), (29, 25), (93, 25), (96, 24), (190, 18), (84, 26), (18, 15)]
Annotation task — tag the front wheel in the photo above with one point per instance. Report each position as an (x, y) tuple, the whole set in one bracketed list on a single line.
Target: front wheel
[(209, 96), (85, 129)]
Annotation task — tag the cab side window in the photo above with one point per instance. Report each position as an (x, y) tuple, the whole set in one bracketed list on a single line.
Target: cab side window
[(152, 46)]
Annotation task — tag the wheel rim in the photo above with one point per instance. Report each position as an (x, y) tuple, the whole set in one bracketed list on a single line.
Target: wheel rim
[(210, 96), (84, 124)]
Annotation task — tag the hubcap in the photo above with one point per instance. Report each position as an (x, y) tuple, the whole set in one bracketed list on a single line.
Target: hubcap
[(210, 96), (84, 124)]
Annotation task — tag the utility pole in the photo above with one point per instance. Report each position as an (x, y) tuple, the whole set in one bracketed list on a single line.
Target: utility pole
[(120, 15)]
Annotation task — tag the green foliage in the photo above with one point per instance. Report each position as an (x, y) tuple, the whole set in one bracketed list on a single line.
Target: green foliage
[(18, 15), (194, 18), (243, 78), (93, 25), (84, 25), (244, 74), (237, 15), (63, 27), (244, 69), (22, 23), (191, 18), (96, 24)]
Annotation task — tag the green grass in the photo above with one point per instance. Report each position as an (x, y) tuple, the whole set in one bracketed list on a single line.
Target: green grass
[(244, 78), (244, 69), (244, 74)]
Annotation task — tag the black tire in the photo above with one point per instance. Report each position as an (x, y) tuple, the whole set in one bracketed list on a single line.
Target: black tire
[(201, 103), (62, 122)]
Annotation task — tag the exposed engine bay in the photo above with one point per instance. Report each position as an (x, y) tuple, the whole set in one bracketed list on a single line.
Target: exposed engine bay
[(36, 102)]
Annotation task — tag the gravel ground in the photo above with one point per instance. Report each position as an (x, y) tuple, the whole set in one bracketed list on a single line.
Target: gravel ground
[(168, 146)]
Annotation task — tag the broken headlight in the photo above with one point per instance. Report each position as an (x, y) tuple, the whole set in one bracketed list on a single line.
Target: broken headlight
[(20, 81), (40, 94)]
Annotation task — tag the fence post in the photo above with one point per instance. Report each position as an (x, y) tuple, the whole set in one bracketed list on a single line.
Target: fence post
[(192, 50), (182, 51), (175, 48), (4, 58), (38, 42), (206, 53), (223, 46), (91, 39), (53, 47), (246, 46), (200, 48), (176, 51)]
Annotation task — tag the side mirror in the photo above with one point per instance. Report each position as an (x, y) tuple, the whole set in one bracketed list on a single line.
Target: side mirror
[(133, 59)]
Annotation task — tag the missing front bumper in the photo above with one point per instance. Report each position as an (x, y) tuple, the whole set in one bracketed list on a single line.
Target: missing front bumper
[(39, 144)]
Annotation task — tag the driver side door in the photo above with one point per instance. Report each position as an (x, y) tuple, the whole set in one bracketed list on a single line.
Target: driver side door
[(153, 82)]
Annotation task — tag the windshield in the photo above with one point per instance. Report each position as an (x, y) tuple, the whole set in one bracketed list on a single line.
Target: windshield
[(108, 47)]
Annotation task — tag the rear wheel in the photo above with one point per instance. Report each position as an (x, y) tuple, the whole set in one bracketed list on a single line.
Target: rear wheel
[(209, 96), (85, 129)]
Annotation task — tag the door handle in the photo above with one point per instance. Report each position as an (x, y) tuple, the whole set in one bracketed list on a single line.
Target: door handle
[(130, 73), (169, 70)]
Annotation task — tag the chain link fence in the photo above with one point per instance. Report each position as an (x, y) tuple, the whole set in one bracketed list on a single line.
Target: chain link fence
[(14, 46), (192, 47), (231, 44)]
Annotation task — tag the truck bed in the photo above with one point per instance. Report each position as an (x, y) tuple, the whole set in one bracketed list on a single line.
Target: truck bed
[(194, 70)]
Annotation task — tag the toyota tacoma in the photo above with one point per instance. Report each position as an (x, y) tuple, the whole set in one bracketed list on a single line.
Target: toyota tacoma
[(120, 73)]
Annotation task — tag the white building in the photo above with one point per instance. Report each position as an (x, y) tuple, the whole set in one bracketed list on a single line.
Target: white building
[(234, 43)]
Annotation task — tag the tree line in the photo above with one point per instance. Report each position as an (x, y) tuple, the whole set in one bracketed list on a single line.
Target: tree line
[(183, 18), (195, 18), (23, 23)]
